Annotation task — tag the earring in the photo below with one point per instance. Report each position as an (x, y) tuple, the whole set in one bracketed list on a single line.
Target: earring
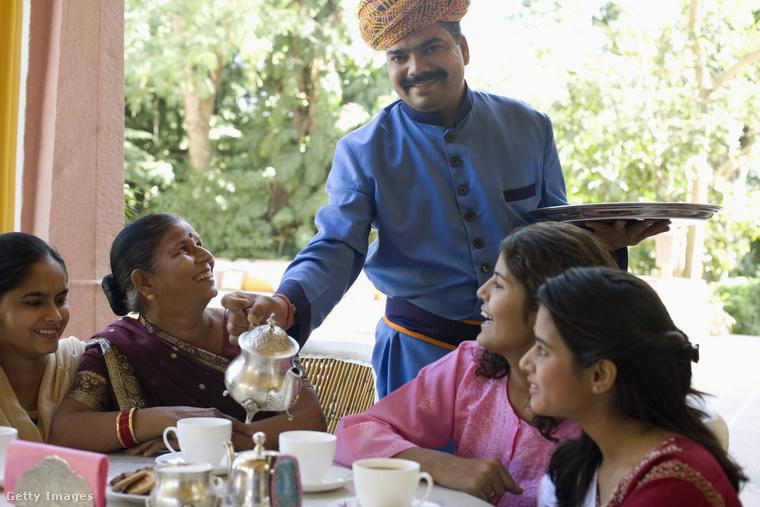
[(595, 388), (150, 297)]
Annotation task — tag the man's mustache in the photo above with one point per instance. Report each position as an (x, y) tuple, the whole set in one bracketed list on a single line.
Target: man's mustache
[(427, 76)]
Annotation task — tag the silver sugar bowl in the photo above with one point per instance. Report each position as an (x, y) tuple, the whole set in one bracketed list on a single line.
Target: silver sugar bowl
[(184, 485)]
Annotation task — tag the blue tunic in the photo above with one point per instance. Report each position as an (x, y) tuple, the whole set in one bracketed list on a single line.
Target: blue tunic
[(441, 199)]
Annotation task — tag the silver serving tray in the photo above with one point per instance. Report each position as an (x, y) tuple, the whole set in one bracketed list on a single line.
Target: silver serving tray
[(627, 211)]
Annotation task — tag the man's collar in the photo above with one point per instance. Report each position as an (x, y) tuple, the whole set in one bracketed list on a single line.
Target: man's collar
[(437, 118)]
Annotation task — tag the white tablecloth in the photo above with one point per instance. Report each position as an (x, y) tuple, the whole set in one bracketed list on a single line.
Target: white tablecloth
[(120, 462)]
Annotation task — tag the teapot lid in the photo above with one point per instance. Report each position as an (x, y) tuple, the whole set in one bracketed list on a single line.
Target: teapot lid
[(268, 339)]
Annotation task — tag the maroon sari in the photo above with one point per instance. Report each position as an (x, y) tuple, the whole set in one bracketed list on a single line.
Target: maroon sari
[(133, 364)]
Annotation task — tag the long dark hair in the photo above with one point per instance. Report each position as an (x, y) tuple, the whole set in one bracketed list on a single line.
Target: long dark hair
[(134, 248), (536, 252), (18, 251), (603, 313)]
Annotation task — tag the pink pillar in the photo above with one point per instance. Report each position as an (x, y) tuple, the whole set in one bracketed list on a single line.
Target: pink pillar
[(73, 144)]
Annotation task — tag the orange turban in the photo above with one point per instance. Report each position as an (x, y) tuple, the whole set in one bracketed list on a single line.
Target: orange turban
[(385, 22)]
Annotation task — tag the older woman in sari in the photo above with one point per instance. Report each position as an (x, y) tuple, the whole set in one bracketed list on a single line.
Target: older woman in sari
[(168, 362)]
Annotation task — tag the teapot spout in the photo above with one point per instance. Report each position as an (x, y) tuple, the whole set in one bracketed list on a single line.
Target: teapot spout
[(283, 398)]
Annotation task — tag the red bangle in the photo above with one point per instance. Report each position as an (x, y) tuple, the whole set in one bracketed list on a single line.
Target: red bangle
[(291, 310), (125, 431)]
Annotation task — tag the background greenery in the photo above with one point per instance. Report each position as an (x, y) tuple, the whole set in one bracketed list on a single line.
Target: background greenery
[(236, 131), (233, 109)]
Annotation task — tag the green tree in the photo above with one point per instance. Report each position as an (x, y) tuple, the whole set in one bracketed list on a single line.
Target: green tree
[(668, 110), (287, 82), (177, 50)]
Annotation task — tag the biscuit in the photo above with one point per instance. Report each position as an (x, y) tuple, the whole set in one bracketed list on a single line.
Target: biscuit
[(143, 485), (139, 482)]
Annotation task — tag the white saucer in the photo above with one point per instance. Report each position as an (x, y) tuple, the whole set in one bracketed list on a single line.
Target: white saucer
[(179, 458), (110, 493), (336, 477), (125, 496), (354, 502)]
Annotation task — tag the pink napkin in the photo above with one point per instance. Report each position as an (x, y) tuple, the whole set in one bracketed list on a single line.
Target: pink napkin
[(22, 455)]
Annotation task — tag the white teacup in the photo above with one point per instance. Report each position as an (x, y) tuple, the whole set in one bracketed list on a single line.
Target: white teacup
[(7, 433), (314, 451), (389, 482), (201, 439)]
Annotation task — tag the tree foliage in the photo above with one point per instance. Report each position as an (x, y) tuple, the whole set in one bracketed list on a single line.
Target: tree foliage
[(291, 82), (668, 110)]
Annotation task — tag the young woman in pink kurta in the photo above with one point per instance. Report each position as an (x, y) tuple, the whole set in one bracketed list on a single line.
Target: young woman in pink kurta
[(476, 397), (449, 401)]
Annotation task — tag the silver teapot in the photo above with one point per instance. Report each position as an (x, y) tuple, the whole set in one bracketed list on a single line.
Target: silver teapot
[(183, 485), (263, 376), (261, 478)]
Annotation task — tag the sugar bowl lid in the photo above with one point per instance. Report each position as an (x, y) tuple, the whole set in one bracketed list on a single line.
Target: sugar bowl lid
[(268, 339), (258, 452)]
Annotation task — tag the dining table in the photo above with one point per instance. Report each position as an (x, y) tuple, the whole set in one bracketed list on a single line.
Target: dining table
[(344, 496)]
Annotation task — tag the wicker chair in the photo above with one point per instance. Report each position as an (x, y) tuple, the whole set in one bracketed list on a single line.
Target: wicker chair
[(342, 375)]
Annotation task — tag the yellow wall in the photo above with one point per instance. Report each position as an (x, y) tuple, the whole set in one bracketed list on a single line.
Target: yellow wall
[(10, 52)]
